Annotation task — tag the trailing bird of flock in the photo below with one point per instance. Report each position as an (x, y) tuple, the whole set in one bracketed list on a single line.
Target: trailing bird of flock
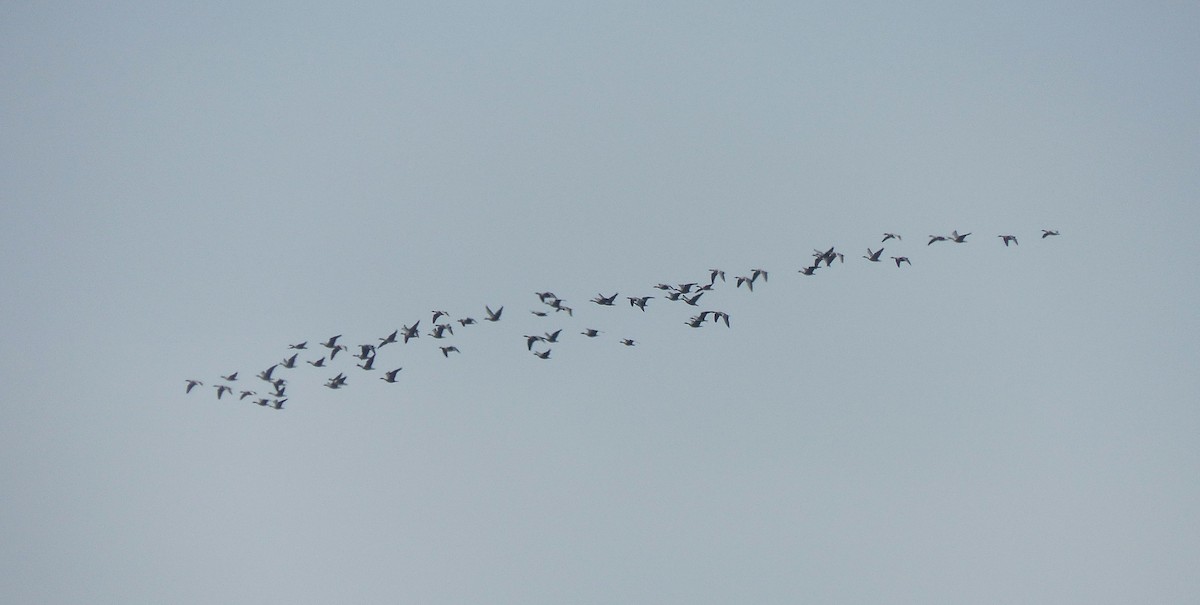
[(272, 391)]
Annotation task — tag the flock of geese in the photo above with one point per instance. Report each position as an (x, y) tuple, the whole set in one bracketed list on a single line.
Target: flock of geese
[(271, 392)]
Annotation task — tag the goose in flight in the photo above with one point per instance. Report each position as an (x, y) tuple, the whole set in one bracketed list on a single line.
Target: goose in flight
[(437, 314), (290, 362), (365, 351), (493, 315), (390, 376), (936, 238), (1048, 232), (605, 300), (888, 236), (447, 350), (529, 340), (901, 259), (278, 403), (333, 353), (320, 363), (639, 302), (246, 394), (745, 280), (302, 345), (544, 354), (873, 256), (369, 364), (695, 321), (717, 316), (411, 332), (232, 377), (756, 273), (958, 239), (809, 270), (1008, 238), (540, 313), (263, 402), (552, 336), (466, 321), (545, 296), (222, 389), (590, 333), (713, 274), (332, 342), (389, 339), (192, 384), (337, 382), (693, 300), (266, 374), (629, 342)]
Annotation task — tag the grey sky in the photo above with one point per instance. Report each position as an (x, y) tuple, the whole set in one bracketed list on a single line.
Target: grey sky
[(187, 189)]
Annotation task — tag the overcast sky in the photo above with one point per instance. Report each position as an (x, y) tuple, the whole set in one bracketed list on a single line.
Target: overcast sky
[(185, 190)]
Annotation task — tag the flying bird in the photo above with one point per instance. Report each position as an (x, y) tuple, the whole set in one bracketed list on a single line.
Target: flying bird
[(590, 333), (936, 238), (303, 345), (628, 342), (230, 377), (873, 256), (493, 315), (446, 351), (1048, 232), (958, 239), (544, 354), (332, 342), (901, 259), (1008, 238), (390, 376), (191, 384), (605, 300), (888, 236)]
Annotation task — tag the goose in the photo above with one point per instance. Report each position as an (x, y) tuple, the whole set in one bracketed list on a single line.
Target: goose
[(569, 310), (529, 340), (888, 236), (389, 339), (717, 316), (745, 280), (552, 336), (544, 354), (369, 364), (540, 313), (1009, 238), (756, 273), (289, 362), (365, 351), (437, 314), (639, 302), (873, 256), (958, 239), (337, 382), (713, 274), (278, 403), (901, 259), (466, 321), (332, 342), (692, 301), (246, 394), (262, 402), (607, 301), (192, 384), (266, 374), (674, 295), (936, 238), (280, 387), (1048, 232), (320, 363), (696, 321), (222, 389), (809, 270), (686, 288), (390, 376), (591, 332), (411, 332), (446, 351), (232, 377), (629, 342), (302, 345), (493, 315), (333, 353), (439, 331), (663, 287), (545, 296)]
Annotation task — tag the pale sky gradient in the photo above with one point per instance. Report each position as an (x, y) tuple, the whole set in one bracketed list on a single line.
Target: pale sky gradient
[(187, 188)]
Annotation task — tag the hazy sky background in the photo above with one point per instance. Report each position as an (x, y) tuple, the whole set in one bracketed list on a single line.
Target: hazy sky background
[(186, 189)]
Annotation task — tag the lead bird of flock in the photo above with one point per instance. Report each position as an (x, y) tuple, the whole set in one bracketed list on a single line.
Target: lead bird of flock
[(686, 293)]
